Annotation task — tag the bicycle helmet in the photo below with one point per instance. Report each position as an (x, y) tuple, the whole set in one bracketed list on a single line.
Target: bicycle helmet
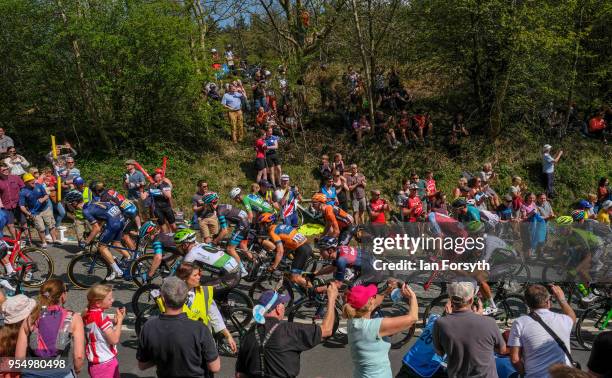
[(211, 197), (474, 227), (564, 220), (146, 229), (74, 196), (584, 204), (267, 218), (185, 236), (235, 192), (319, 197), (78, 181), (327, 242), (129, 209), (459, 202), (578, 215)]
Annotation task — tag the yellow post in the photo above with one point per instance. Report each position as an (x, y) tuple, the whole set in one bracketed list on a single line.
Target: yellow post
[(59, 179)]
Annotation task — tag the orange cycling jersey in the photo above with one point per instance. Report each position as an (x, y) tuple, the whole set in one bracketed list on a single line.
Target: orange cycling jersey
[(335, 215), (289, 236)]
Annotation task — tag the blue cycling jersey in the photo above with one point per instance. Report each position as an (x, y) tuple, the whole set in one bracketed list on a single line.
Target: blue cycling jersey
[(102, 211)]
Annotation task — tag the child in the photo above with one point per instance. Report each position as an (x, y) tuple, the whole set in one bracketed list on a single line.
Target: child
[(338, 163), (102, 332), (430, 185), (325, 168)]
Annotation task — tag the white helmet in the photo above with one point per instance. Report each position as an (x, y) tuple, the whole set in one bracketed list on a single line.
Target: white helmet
[(278, 195), (213, 51), (606, 204), (235, 192)]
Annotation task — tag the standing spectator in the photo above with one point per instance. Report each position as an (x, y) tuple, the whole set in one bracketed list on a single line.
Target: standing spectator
[(357, 184), (205, 215), (342, 190), (134, 182), (10, 186), (412, 209), (175, 344), (55, 330), (232, 101), (5, 142), (377, 208), (421, 185), (325, 168), (102, 332), (338, 163), (272, 157), (287, 198), (34, 203), (544, 209), (548, 169), (599, 361), (533, 348), (160, 193), (329, 189), (69, 173), (467, 338), (430, 186), (603, 190), (16, 163), (15, 310), (369, 351), (260, 156), (278, 343), (458, 128), (59, 162)]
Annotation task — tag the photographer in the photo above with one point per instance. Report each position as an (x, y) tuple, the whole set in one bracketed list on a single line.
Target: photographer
[(16, 162), (61, 157), (287, 198)]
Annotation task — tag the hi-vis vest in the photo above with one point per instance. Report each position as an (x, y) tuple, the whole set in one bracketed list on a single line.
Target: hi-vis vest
[(87, 197), (198, 310)]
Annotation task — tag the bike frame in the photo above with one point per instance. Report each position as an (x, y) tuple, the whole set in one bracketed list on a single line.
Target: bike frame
[(17, 250)]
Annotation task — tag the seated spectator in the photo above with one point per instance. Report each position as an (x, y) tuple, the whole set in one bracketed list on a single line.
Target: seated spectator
[(262, 117), (389, 129), (439, 204), (404, 127), (458, 129), (603, 190), (369, 351), (421, 125), (599, 361), (605, 212), (468, 338), (597, 126), (533, 349), (361, 127), (16, 163), (592, 210), (477, 194), (285, 340), (192, 352), (461, 190)]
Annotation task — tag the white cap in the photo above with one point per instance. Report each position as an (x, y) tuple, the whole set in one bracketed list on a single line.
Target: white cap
[(547, 147), (284, 177), (461, 292), (606, 204)]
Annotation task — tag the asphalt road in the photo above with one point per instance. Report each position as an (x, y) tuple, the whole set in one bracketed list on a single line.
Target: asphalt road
[(330, 359)]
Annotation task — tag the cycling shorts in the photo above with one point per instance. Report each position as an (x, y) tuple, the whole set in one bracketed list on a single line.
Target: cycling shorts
[(222, 285), (347, 234), (300, 256), (272, 159), (239, 234), (113, 231), (163, 215)]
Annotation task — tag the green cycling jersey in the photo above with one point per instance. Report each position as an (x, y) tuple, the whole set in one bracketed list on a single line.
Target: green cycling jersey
[(253, 202), (583, 239)]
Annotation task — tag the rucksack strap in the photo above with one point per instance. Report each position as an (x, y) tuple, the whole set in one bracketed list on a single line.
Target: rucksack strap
[(533, 315), (262, 344)]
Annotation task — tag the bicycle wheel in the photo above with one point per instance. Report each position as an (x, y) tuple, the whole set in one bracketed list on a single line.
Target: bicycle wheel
[(142, 300), (510, 307), (268, 282), (312, 311), (391, 309), (87, 269), (142, 265), (417, 282), (144, 316), (238, 321), (236, 298), (591, 323), (40, 272), (436, 306)]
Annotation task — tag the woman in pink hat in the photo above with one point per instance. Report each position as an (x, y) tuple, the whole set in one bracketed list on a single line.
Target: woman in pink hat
[(370, 353)]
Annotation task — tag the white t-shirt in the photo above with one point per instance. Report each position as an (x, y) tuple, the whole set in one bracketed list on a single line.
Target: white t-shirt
[(540, 350)]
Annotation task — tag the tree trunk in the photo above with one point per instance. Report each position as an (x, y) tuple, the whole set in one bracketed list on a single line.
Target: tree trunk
[(364, 59)]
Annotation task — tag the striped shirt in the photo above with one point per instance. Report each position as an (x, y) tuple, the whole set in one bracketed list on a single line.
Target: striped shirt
[(97, 349)]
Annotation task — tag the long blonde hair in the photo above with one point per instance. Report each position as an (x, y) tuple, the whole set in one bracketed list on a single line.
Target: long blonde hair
[(351, 312), (97, 293)]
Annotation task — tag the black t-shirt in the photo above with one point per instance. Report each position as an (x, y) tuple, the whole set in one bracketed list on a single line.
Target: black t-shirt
[(282, 352), (599, 362), (179, 346)]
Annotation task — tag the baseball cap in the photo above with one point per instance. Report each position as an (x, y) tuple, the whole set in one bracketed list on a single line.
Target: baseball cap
[(547, 147), (359, 295), (130, 161), (508, 197), (267, 296), (17, 308), (284, 177), (461, 292)]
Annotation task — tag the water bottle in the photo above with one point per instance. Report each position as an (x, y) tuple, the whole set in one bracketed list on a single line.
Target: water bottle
[(583, 289), (63, 336), (396, 295)]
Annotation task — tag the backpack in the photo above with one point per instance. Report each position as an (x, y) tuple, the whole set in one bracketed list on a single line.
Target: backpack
[(50, 335)]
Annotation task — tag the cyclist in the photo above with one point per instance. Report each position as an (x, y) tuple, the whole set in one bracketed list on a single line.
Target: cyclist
[(338, 223), (238, 218), (110, 214), (441, 225), (585, 247), (225, 268), (252, 203), (466, 212), (287, 238), (345, 259)]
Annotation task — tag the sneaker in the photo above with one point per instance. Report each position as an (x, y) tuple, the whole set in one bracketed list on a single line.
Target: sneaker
[(342, 331), (589, 298), (489, 311), (48, 238)]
